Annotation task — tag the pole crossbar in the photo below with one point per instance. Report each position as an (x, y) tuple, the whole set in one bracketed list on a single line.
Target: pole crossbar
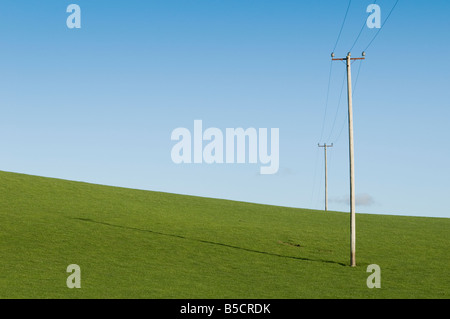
[(344, 59)]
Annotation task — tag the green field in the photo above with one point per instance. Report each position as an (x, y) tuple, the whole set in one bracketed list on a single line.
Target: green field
[(141, 244)]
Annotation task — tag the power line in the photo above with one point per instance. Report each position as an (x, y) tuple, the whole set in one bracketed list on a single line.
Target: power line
[(331, 67), (387, 18), (326, 102), (357, 77), (337, 109), (342, 26), (353, 93), (360, 31), (328, 95), (359, 68)]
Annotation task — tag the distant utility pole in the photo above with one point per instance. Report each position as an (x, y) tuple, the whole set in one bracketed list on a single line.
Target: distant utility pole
[(326, 184), (351, 155)]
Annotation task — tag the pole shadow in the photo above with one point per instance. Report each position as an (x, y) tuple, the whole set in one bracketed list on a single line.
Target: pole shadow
[(206, 241)]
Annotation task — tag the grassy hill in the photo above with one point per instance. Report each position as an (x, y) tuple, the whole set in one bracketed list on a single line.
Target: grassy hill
[(141, 244)]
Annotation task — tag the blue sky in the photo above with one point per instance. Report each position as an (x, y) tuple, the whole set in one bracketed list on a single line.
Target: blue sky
[(98, 104)]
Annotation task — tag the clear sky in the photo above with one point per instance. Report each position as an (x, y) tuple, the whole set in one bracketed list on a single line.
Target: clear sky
[(98, 104)]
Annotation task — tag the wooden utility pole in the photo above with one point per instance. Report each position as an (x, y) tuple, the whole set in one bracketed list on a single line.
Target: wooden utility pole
[(326, 179), (351, 155)]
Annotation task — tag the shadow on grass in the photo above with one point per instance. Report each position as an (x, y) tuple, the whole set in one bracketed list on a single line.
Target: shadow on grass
[(206, 241)]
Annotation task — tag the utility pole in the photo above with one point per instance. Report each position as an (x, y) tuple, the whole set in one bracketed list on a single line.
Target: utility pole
[(326, 179), (351, 155)]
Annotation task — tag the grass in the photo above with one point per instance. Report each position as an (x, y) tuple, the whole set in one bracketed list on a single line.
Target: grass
[(141, 244)]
